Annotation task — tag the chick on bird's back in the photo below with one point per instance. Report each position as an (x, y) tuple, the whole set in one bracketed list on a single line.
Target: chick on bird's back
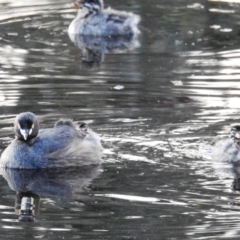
[(64, 145)]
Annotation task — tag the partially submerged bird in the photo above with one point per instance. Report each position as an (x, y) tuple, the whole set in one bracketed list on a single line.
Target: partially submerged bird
[(64, 145), (92, 19)]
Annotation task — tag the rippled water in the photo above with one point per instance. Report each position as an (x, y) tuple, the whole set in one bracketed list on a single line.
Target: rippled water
[(159, 106)]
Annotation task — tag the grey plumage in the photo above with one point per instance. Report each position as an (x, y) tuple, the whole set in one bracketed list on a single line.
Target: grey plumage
[(92, 19), (63, 145), (227, 151), (226, 155)]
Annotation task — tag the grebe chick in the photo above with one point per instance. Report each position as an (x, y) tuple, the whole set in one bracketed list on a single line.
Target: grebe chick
[(93, 20), (228, 150)]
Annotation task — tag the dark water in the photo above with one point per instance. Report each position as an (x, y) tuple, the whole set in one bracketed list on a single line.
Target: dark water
[(158, 107)]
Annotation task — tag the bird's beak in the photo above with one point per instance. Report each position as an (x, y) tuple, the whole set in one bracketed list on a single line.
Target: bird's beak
[(76, 4), (24, 133)]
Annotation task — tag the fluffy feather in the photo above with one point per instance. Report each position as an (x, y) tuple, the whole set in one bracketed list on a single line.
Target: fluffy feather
[(105, 22)]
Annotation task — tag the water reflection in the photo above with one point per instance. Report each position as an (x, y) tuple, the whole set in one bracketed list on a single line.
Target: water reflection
[(27, 206), (31, 185), (181, 89)]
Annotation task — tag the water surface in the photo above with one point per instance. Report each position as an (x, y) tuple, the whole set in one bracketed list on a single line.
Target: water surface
[(158, 107)]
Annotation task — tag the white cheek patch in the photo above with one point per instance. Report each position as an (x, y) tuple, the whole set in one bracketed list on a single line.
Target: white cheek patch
[(31, 129), (237, 135)]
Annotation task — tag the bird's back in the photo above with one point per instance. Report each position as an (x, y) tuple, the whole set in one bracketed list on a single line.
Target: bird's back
[(61, 146), (226, 151), (108, 23)]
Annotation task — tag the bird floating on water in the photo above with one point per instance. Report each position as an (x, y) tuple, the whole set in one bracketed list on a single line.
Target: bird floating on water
[(64, 145), (95, 20), (228, 150)]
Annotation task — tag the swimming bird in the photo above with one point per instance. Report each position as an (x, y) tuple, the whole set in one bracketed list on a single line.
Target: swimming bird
[(64, 145), (228, 150), (95, 20)]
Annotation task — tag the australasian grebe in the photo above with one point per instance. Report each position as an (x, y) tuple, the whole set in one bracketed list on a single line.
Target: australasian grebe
[(228, 150), (92, 19), (64, 145)]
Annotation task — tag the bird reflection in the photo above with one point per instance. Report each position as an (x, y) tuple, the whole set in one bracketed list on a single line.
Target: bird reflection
[(31, 185), (235, 171), (236, 184), (27, 206), (94, 48)]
